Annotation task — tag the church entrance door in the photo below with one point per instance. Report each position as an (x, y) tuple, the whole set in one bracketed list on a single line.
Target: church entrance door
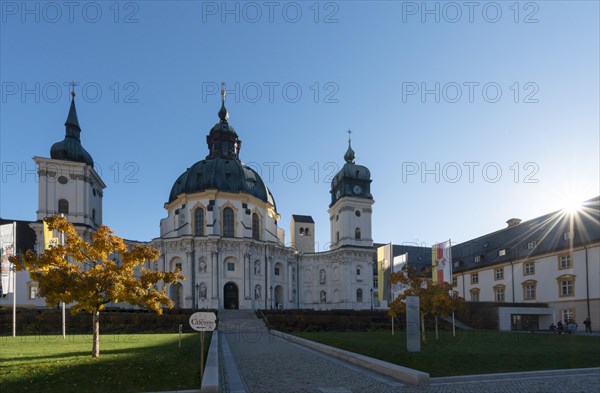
[(177, 295), (230, 296), (278, 297)]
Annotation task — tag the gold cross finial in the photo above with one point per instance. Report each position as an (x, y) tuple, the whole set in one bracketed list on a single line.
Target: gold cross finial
[(349, 136), (223, 92)]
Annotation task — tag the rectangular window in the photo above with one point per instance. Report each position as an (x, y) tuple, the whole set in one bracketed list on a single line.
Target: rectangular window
[(499, 273), (567, 315), (564, 262), (358, 271), (454, 282), (532, 245), (530, 292), (502, 253), (499, 294), (33, 292), (567, 235), (276, 271), (477, 258), (230, 266), (474, 278), (566, 287), (178, 266), (528, 268)]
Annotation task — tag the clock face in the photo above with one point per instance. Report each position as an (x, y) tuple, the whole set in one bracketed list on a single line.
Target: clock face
[(357, 189)]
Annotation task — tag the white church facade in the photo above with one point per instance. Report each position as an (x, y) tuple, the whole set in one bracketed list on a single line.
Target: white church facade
[(221, 229)]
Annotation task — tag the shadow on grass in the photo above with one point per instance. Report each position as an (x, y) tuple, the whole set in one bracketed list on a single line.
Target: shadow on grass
[(154, 367)]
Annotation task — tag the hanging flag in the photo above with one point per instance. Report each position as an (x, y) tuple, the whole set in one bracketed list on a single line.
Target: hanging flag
[(49, 239), (384, 270), (441, 263), (8, 240), (380, 269), (399, 262)]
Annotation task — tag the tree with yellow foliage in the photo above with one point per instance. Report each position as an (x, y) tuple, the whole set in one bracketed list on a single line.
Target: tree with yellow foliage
[(434, 298), (83, 273)]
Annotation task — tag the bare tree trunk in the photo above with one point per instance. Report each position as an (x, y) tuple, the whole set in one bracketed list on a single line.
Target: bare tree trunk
[(423, 338), (96, 334)]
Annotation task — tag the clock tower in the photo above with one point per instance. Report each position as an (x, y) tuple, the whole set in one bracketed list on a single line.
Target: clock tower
[(351, 205)]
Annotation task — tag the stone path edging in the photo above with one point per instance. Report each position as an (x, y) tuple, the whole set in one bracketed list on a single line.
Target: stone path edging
[(404, 374), (210, 378), (515, 375)]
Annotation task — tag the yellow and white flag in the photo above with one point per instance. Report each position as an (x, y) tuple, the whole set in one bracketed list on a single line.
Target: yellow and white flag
[(49, 239)]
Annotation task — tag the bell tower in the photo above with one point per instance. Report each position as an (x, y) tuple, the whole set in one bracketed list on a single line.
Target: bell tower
[(67, 181), (350, 210)]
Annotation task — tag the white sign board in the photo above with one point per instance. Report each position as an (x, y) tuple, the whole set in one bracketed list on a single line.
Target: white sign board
[(203, 321)]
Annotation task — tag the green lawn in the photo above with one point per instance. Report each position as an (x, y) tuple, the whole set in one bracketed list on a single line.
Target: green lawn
[(127, 363), (472, 352)]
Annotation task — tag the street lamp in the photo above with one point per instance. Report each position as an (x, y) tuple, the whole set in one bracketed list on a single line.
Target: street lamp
[(271, 299), (197, 291), (371, 299)]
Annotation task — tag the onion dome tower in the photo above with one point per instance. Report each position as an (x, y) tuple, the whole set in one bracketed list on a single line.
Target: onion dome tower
[(351, 204)]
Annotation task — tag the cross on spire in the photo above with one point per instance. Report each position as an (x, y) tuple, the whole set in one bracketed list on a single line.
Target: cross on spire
[(73, 84), (223, 115), (350, 154)]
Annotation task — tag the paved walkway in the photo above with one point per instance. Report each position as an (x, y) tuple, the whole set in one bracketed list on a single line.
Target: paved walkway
[(252, 360)]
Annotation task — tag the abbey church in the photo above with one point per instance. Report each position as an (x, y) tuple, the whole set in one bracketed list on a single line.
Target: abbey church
[(222, 228)]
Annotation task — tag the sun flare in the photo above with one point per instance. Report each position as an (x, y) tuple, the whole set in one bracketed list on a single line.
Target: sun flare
[(572, 206)]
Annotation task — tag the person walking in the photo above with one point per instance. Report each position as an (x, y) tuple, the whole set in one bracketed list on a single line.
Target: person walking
[(588, 325)]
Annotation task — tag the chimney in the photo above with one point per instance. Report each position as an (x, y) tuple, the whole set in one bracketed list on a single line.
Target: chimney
[(513, 221)]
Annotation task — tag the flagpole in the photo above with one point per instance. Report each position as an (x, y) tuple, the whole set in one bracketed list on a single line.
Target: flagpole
[(14, 275), (453, 321), (64, 328), (14, 321)]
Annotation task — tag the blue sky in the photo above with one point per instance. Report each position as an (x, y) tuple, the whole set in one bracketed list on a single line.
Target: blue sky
[(508, 125)]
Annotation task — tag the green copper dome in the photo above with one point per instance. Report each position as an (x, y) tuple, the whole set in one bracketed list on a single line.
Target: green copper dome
[(70, 148), (223, 175)]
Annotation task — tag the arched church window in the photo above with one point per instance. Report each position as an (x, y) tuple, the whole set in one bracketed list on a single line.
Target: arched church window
[(63, 206), (301, 231), (357, 234), (199, 221), (228, 222), (306, 232), (255, 227), (359, 295), (337, 237)]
